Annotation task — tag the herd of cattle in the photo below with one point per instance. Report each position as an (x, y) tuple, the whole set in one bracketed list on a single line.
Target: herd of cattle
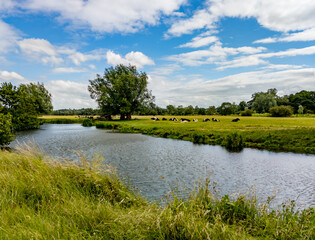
[(183, 120)]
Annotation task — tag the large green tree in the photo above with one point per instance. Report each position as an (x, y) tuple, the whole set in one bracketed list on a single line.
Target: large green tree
[(121, 91), (24, 103), (304, 98)]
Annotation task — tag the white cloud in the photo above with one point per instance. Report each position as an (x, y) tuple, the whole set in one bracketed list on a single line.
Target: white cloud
[(68, 70), (200, 42), (77, 58), (214, 54), (137, 59), (69, 94), (106, 15), (281, 15), (306, 35), (41, 50), (241, 62), (8, 38), (233, 88), (6, 76)]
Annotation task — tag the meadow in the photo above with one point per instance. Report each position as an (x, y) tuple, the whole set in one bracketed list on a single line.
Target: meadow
[(45, 198), (293, 134)]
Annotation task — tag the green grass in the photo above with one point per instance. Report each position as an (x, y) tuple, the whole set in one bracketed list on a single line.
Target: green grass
[(42, 198), (276, 134)]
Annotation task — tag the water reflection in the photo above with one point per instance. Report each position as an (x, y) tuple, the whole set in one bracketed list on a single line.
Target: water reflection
[(155, 164)]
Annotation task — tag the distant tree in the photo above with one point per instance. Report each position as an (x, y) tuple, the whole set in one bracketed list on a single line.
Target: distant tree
[(189, 110), (304, 98), (242, 106), (262, 101), (211, 110), (202, 111), (180, 110), (171, 110), (227, 108), (122, 90)]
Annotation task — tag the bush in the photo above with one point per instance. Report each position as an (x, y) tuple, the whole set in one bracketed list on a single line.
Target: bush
[(87, 123), (247, 112), (234, 142), (281, 111)]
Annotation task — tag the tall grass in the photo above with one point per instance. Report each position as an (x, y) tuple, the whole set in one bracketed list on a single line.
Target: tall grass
[(44, 198)]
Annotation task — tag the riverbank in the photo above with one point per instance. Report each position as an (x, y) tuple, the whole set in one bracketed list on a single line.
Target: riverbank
[(46, 199), (296, 134)]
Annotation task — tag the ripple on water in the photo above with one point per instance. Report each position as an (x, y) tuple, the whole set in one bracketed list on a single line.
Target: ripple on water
[(144, 160)]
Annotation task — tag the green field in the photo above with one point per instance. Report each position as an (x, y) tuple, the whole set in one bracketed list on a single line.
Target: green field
[(43, 198), (294, 134)]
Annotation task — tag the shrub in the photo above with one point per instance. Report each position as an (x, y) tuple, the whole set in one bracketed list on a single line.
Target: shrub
[(281, 111), (247, 112), (234, 142), (87, 123), (104, 125)]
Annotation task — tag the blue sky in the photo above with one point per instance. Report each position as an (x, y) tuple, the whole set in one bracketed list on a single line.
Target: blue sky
[(194, 52)]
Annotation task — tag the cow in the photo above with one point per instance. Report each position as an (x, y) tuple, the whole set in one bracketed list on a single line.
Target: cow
[(206, 120), (236, 120), (155, 119), (173, 119), (215, 120), (185, 119), (195, 120), (164, 119)]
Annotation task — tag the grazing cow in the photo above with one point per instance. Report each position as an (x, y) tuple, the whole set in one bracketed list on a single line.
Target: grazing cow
[(173, 119), (215, 120), (236, 120), (185, 119), (164, 119), (195, 120), (206, 120)]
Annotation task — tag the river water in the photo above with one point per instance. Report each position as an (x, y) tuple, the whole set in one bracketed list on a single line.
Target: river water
[(157, 165)]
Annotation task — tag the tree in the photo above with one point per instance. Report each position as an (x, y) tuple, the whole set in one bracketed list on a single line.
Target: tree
[(210, 110), (227, 108), (262, 101), (242, 106), (305, 98), (25, 103), (122, 90)]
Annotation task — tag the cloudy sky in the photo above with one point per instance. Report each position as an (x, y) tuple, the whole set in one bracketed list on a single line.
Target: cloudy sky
[(195, 52)]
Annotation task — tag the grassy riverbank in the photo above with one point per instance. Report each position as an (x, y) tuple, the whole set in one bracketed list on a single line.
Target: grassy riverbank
[(42, 198), (296, 134)]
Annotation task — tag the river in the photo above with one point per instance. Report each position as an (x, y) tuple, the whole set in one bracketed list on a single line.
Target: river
[(157, 165)]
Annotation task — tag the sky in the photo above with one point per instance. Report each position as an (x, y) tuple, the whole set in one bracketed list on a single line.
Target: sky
[(195, 52)]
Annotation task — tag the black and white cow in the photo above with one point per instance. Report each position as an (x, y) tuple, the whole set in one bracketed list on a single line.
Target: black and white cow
[(215, 120), (236, 120), (206, 120)]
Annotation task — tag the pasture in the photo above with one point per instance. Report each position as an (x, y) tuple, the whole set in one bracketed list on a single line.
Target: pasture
[(294, 134)]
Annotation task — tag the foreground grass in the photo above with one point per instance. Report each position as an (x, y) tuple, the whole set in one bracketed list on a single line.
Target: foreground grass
[(46, 199)]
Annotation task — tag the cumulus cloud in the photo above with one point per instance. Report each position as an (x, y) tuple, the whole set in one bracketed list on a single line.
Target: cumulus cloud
[(306, 35), (9, 37), (214, 54), (14, 77), (137, 59), (69, 94), (126, 16), (232, 88), (282, 16), (41, 50)]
